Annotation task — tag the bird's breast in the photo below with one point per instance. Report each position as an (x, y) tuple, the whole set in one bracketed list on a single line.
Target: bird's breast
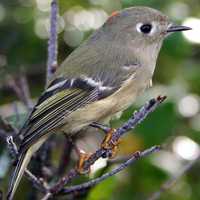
[(105, 108)]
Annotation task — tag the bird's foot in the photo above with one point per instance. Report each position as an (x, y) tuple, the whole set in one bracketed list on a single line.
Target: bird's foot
[(102, 127), (109, 144), (83, 157)]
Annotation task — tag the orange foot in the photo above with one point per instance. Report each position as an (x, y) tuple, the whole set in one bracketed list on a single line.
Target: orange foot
[(108, 144), (82, 158)]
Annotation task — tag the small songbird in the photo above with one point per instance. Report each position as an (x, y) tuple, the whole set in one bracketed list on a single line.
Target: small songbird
[(99, 79)]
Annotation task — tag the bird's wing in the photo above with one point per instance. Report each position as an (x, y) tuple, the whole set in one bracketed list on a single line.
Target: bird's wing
[(62, 97)]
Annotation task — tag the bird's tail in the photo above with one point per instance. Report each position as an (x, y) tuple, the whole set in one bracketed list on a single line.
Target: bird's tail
[(22, 163)]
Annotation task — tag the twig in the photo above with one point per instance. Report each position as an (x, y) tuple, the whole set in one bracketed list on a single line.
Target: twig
[(20, 86), (94, 182), (44, 153), (137, 118), (7, 127), (52, 43), (37, 182), (118, 160), (134, 120), (169, 184), (23, 83)]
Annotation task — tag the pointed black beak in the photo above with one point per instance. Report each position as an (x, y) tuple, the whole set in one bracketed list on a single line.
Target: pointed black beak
[(176, 28)]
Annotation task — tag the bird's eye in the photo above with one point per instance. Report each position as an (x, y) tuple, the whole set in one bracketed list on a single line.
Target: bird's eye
[(146, 28)]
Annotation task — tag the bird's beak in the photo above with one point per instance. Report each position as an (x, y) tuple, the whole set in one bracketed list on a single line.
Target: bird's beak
[(177, 28)]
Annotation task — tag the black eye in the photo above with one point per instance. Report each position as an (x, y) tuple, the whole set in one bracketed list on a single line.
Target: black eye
[(146, 28)]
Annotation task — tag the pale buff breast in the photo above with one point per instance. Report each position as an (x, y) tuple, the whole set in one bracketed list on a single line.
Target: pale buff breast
[(105, 108)]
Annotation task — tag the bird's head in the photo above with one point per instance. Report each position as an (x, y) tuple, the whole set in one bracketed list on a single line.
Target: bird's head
[(142, 25), (134, 33)]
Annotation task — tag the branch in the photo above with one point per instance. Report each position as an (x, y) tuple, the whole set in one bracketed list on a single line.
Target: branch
[(6, 127), (44, 154), (37, 182), (121, 167), (25, 91), (137, 118), (52, 43), (169, 184), (21, 88)]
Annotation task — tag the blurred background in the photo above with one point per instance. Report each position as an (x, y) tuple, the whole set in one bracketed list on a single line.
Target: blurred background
[(24, 30)]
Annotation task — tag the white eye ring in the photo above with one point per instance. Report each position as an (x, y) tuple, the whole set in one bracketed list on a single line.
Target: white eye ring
[(152, 31)]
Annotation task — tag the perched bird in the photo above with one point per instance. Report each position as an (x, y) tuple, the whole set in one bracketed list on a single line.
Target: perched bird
[(100, 78)]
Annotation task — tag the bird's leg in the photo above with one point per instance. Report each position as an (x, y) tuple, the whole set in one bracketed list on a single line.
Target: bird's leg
[(102, 127), (83, 156), (107, 142)]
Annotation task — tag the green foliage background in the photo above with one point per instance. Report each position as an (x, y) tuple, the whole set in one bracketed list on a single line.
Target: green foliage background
[(177, 75)]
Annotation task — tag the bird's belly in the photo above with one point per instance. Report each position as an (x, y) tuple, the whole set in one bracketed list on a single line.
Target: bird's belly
[(105, 108)]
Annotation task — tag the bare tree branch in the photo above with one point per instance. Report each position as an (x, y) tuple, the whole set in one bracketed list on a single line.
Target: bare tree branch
[(5, 126), (37, 182), (121, 167), (43, 156), (59, 187), (52, 44), (20, 86), (137, 118), (23, 83)]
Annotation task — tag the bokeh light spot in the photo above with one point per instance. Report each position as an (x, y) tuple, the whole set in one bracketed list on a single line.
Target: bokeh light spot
[(73, 36), (44, 5), (85, 20), (189, 106), (193, 35), (178, 10), (186, 148), (42, 28)]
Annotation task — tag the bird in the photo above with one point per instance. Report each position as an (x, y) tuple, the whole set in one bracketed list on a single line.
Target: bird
[(100, 78)]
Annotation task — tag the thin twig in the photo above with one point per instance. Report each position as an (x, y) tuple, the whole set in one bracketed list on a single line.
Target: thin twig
[(137, 118), (118, 160), (45, 152), (20, 86), (52, 43), (169, 184), (94, 182), (40, 184), (134, 120), (6, 126), (23, 83)]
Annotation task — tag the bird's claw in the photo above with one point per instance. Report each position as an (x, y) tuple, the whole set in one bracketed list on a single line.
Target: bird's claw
[(80, 165), (109, 144)]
